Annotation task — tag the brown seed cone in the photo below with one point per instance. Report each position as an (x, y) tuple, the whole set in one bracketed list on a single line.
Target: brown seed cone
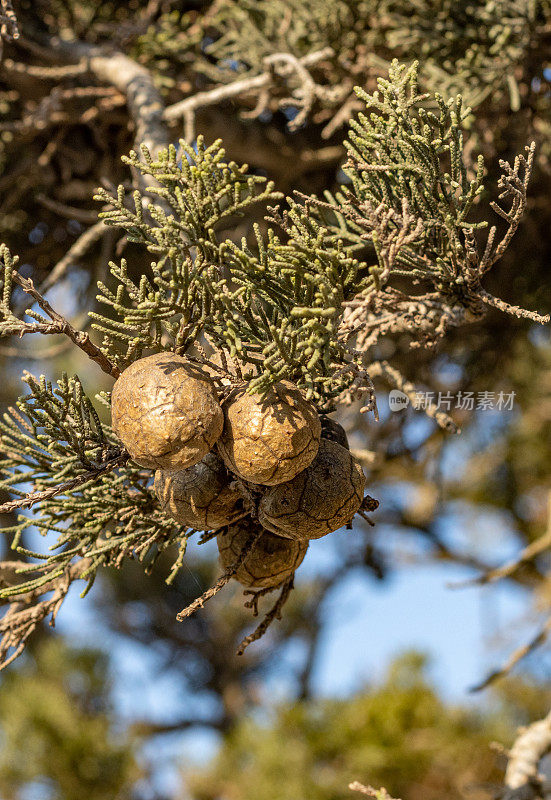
[(334, 431), (319, 500), (165, 412), (270, 562), (269, 440), (201, 496)]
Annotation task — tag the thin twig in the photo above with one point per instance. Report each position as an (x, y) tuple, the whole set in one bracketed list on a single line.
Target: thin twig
[(70, 212), (61, 325), (256, 594), (45, 73), (522, 777), (77, 249), (36, 497), (514, 188), (496, 302), (378, 794), (223, 579), (516, 657), (35, 354), (528, 554), (21, 618), (273, 614), (258, 83)]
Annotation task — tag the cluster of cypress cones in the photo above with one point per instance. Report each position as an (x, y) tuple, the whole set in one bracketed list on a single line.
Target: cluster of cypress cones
[(271, 469)]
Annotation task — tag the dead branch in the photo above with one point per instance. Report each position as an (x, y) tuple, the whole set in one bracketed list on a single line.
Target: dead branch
[(22, 619), (378, 794), (34, 353), (528, 554), (58, 325), (45, 73), (517, 656), (256, 84), (371, 315), (256, 594), (223, 579), (516, 311), (68, 211), (342, 116), (513, 184), (59, 107), (522, 778), (273, 614), (81, 246)]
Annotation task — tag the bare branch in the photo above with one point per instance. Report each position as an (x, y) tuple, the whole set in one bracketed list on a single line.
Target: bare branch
[(58, 325), (68, 211), (45, 73), (21, 619), (514, 187), (82, 244), (528, 554), (273, 614), (522, 778), (223, 579), (517, 656), (496, 302), (256, 84), (377, 794), (145, 104)]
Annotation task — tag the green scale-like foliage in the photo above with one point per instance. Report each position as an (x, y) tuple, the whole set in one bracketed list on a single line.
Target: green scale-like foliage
[(198, 192), (275, 308), (93, 501), (474, 48), (287, 304), (409, 149)]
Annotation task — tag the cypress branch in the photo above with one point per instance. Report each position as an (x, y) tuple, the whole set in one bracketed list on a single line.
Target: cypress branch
[(306, 301)]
